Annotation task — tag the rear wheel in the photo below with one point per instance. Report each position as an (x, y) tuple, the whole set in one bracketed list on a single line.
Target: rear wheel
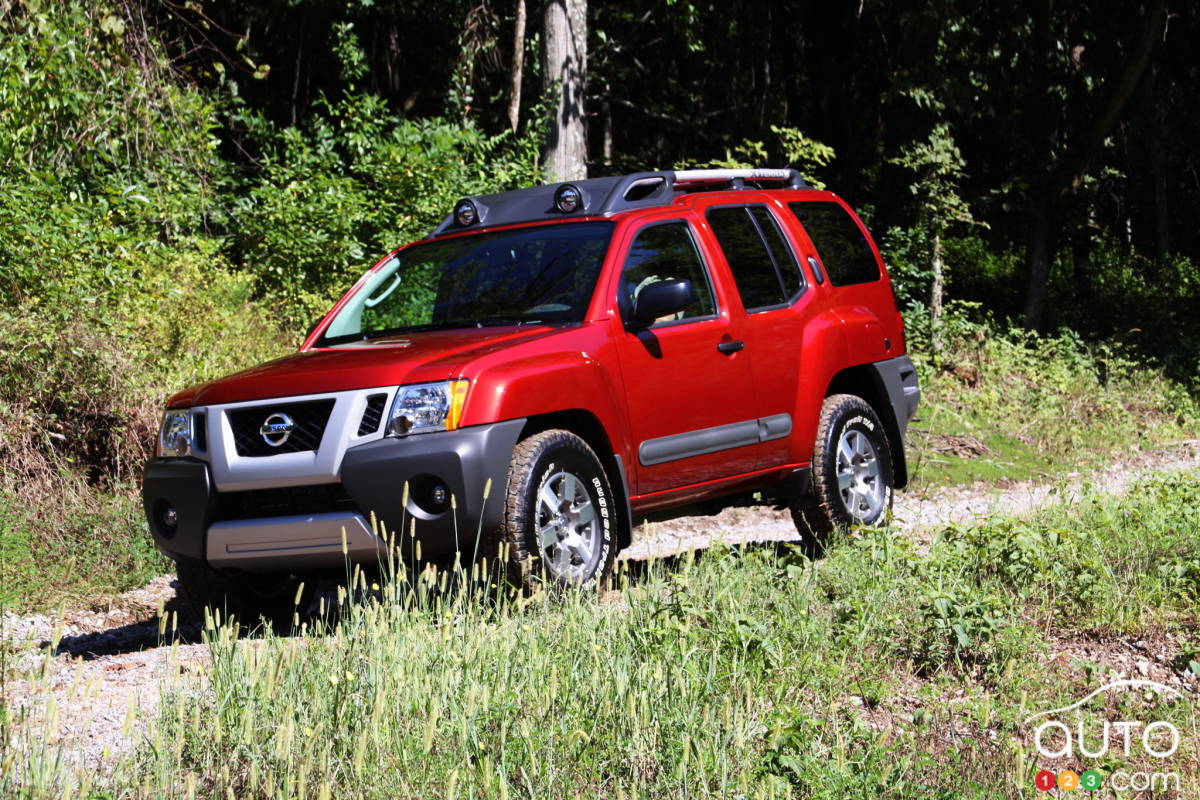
[(851, 472), (559, 523)]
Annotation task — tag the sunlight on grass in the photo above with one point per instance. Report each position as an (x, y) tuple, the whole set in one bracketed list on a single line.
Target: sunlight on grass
[(732, 672)]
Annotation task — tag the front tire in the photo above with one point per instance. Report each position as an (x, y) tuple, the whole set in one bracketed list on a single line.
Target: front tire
[(851, 472), (560, 526)]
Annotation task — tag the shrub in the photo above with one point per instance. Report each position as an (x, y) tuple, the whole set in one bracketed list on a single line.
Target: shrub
[(352, 184)]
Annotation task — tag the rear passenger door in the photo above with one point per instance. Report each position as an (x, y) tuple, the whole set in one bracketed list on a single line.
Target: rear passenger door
[(778, 305), (689, 393)]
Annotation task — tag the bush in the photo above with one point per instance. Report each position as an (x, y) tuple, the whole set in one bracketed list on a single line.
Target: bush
[(114, 291), (354, 183)]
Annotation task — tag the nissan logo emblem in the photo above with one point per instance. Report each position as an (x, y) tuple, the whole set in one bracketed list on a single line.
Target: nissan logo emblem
[(276, 429)]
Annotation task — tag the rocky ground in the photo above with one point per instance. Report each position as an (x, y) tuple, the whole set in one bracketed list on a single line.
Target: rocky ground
[(106, 668)]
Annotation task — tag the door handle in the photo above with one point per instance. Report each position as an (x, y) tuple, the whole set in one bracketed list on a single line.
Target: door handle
[(731, 347)]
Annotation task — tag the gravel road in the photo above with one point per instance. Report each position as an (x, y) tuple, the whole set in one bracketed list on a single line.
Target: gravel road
[(107, 668)]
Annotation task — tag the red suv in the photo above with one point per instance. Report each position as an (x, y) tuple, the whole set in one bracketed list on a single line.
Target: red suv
[(544, 367)]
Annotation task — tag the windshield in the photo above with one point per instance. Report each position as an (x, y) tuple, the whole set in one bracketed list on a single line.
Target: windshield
[(543, 274)]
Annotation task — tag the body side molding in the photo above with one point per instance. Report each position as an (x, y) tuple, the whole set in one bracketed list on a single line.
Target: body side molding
[(710, 440)]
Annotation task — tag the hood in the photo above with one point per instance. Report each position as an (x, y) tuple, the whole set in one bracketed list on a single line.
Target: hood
[(421, 357)]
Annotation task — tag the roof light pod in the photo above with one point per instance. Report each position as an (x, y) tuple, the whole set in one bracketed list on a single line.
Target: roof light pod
[(465, 213), (568, 198)]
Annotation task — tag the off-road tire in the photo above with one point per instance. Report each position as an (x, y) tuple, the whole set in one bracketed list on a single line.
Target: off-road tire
[(248, 599), (537, 461), (823, 508)]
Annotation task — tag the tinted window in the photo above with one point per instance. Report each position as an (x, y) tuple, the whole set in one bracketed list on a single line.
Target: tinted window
[(843, 249), (661, 253), (749, 261), (539, 274), (781, 253)]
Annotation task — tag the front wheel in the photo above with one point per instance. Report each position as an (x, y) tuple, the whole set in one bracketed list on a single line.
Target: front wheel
[(851, 471), (559, 523)]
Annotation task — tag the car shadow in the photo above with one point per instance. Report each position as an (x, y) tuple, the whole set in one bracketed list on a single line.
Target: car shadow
[(131, 637)]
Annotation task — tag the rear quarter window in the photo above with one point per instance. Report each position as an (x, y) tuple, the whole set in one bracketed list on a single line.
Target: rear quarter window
[(840, 243)]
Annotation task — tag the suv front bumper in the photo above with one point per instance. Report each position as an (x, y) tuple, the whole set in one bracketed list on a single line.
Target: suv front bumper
[(471, 464)]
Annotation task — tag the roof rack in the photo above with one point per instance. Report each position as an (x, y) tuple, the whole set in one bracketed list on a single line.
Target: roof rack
[(604, 196)]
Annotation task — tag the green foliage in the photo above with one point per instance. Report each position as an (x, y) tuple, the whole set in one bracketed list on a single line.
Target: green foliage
[(958, 626), (1038, 404), (114, 290), (796, 149), (354, 183), (938, 169)]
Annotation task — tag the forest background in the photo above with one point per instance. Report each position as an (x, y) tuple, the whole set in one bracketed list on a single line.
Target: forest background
[(186, 186)]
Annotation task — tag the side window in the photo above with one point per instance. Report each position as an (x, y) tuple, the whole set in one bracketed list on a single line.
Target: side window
[(840, 243), (762, 264), (666, 252), (781, 253)]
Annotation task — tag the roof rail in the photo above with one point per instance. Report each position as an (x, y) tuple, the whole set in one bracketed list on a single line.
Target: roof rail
[(602, 196), (738, 177), (653, 188)]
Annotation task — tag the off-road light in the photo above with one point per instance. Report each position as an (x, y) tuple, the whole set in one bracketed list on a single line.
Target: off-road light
[(568, 198), (465, 213)]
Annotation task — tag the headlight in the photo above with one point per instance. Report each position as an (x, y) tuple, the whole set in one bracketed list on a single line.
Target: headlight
[(426, 407), (175, 437)]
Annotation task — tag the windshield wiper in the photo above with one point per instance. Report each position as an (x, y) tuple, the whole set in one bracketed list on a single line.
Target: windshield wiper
[(487, 322), (429, 326), (450, 324)]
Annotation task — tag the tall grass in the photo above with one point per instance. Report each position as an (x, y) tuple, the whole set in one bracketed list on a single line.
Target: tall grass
[(875, 672), (1040, 405)]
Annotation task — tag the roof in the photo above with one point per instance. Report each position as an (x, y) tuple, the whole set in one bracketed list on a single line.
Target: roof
[(605, 196)]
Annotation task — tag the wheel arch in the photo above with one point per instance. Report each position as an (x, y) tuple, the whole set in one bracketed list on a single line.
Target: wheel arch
[(587, 426), (865, 381)]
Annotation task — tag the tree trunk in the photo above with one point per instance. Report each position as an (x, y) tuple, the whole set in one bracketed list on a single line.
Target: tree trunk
[(518, 66), (1158, 168), (1039, 260), (1047, 194), (564, 47), (935, 294), (607, 141)]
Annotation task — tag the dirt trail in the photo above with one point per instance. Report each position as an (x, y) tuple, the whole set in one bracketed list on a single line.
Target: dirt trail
[(108, 667)]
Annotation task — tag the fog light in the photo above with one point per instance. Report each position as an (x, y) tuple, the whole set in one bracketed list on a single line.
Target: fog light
[(164, 519), (430, 496)]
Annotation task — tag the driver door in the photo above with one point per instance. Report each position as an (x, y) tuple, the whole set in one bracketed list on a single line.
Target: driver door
[(688, 385)]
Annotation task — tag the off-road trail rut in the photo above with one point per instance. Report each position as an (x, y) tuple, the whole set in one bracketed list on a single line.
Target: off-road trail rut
[(106, 669)]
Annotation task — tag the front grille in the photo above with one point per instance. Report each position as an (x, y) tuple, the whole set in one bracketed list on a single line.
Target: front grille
[(372, 415), (283, 502), (309, 417)]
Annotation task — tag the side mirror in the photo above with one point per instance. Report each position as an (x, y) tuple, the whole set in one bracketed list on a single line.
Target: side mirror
[(661, 299)]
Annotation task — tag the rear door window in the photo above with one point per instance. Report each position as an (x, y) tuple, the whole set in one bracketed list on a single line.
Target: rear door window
[(762, 264), (840, 243)]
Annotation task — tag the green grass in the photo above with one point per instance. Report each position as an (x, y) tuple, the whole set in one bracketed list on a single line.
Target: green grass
[(878, 671), (96, 550), (1041, 406)]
